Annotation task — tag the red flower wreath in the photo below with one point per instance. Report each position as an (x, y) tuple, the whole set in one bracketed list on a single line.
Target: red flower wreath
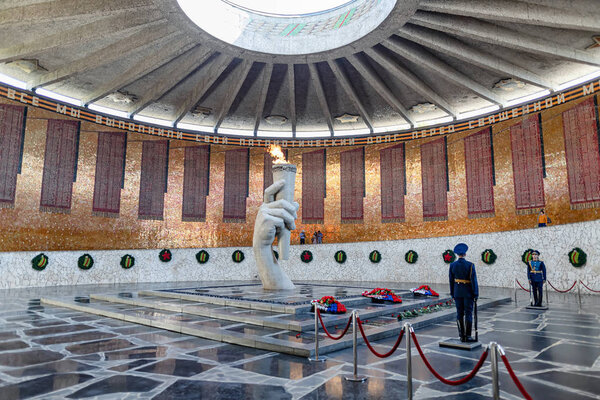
[(329, 304), (382, 294)]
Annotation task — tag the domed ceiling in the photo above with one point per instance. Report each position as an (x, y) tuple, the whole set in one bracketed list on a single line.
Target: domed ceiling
[(344, 68)]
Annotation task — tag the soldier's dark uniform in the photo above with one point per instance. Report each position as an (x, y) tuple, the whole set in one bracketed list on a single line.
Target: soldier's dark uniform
[(465, 290), (536, 273)]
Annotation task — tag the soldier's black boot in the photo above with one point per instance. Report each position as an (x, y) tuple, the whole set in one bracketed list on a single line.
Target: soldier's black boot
[(468, 337), (461, 329), (535, 296)]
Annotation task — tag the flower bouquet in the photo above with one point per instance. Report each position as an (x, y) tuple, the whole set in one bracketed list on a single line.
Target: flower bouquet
[(424, 290), (379, 295), (328, 304)]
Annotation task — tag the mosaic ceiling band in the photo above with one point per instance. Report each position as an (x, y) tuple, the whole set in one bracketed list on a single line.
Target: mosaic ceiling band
[(85, 114), (582, 156)]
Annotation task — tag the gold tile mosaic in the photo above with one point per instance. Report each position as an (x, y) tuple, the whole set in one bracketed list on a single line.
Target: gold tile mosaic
[(25, 228)]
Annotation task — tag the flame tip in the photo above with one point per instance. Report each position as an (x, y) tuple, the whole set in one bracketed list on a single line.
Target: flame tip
[(277, 154)]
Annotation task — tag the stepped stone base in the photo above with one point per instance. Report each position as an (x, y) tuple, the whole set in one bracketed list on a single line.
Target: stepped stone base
[(249, 316)]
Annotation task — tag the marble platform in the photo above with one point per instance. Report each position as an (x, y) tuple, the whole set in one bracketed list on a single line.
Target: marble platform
[(249, 316), (53, 353)]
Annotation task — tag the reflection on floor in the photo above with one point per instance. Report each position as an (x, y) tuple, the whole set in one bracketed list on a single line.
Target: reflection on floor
[(55, 353)]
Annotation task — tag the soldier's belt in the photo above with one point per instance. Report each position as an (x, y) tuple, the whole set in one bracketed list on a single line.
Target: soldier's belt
[(462, 281), (536, 272)]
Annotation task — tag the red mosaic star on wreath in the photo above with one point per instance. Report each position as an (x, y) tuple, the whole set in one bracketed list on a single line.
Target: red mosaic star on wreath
[(447, 257), (166, 256), (306, 257)]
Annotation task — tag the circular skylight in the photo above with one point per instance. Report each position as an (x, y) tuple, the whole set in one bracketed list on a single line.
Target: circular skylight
[(286, 8), (288, 27)]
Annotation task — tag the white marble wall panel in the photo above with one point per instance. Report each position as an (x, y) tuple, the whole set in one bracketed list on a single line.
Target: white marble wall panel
[(553, 242)]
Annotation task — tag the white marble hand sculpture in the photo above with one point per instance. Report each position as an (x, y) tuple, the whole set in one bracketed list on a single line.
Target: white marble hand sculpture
[(272, 218)]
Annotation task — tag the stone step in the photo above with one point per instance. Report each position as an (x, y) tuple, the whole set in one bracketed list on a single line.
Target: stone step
[(295, 322), (251, 304), (251, 335)]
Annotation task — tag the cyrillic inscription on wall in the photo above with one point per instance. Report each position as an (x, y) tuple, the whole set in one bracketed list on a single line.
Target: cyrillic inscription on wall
[(60, 165), (110, 173), (393, 183), (582, 153), (528, 165), (237, 169), (12, 136), (434, 180), (479, 174), (153, 180)]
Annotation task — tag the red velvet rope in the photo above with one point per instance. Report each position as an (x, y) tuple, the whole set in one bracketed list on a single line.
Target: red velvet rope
[(389, 353), (562, 291), (591, 290), (325, 329), (518, 283), (465, 379), (515, 379)]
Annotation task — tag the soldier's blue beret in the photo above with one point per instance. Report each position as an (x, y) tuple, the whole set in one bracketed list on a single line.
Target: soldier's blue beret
[(461, 248)]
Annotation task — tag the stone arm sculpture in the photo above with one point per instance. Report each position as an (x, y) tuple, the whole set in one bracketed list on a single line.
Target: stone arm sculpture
[(272, 218)]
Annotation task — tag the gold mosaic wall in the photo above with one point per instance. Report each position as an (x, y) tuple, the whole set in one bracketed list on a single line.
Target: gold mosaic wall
[(25, 228)]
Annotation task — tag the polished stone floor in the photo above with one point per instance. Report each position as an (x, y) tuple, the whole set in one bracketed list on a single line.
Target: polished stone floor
[(55, 353)]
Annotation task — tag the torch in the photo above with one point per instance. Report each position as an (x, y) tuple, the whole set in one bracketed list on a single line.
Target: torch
[(287, 172)]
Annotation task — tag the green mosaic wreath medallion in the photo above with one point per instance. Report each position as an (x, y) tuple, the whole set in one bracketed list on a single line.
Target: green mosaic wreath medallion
[(340, 256), (488, 256), (127, 261), (449, 256), (202, 257), (306, 256), (85, 261), (526, 256), (238, 256), (375, 256), (577, 257), (39, 262), (411, 256), (165, 255)]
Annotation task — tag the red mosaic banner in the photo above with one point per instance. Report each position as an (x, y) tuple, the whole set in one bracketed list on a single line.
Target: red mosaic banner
[(153, 180), (582, 153), (434, 180), (479, 169), (352, 178), (237, 169), (110, 173), (313, 187), (528, 165), (60, 165), (393, 183), (12, 137), (196, 177)]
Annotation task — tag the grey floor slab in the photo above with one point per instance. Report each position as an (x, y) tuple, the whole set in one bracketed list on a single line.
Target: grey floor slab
[(73, 354)]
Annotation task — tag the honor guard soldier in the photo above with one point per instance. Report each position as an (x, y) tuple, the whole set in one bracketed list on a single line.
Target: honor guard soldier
[(536, 273), (465, 290)]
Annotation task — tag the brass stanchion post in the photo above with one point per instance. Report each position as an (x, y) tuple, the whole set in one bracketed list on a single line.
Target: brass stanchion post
[(495, 377), (355, 377), (409, 388), (316, 357)]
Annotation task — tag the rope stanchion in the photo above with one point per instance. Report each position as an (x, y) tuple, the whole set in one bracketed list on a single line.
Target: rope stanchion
[(389, 353), (562, 291), (521, 286), (588, 288), (329, 334), (512, 374), (316, 357), (355, 377), (465, 379)]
